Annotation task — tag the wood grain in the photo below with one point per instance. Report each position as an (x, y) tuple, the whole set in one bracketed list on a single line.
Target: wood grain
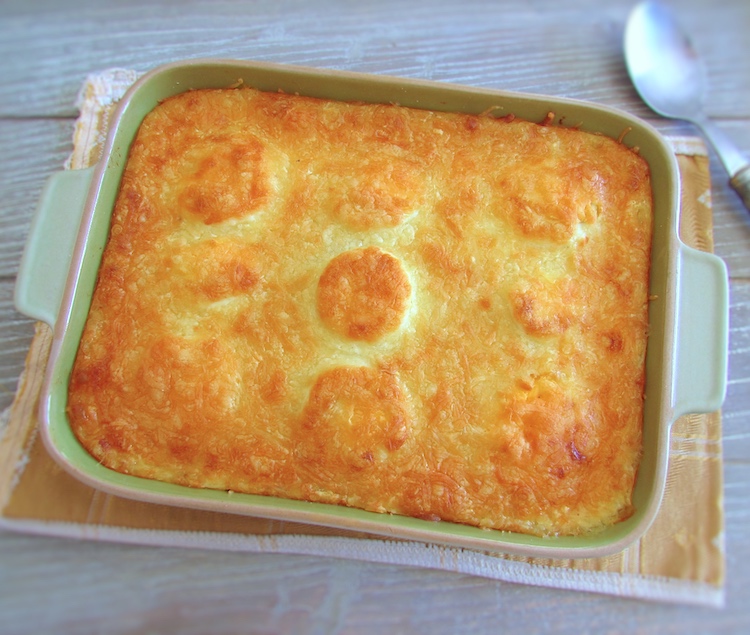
[(736, 413), (33, 150), (506, 45), (16, 332), (571, 49)]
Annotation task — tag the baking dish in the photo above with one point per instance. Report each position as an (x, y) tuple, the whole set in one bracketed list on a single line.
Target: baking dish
[(686, 359)]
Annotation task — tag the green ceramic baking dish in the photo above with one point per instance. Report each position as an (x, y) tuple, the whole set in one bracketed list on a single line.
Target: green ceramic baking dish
[(687, 349)]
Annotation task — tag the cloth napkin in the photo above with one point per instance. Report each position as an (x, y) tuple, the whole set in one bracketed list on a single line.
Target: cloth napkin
[(681, 559)]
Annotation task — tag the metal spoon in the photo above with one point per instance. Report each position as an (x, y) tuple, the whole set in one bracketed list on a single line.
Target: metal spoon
[(670, 78)]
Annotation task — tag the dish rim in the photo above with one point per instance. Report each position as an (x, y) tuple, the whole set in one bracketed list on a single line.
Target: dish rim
[(349, 518)]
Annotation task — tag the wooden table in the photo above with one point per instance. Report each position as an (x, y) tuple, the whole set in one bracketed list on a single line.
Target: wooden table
[(570, 49)]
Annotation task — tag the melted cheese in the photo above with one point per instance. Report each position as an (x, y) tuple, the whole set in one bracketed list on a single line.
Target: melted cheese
[(421, 313)]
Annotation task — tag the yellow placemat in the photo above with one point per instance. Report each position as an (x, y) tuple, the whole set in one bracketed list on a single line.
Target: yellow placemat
[(680, 559)]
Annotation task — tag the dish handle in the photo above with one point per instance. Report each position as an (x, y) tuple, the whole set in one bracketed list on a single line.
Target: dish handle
[(48, 252), (702, 333)]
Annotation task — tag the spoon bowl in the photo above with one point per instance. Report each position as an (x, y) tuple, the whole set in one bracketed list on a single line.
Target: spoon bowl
[(668, 75)]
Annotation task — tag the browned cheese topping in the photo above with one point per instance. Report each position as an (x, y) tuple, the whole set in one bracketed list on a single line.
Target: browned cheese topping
[(430, 314)]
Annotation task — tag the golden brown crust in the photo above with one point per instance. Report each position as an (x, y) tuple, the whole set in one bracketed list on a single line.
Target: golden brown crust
[(431, 314), (363, 294)]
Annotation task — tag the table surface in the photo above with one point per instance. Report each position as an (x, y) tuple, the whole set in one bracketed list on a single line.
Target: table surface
[(570, 49)]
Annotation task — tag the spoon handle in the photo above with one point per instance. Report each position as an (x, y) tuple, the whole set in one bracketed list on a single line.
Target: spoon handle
[(736, 164), (741, 184)]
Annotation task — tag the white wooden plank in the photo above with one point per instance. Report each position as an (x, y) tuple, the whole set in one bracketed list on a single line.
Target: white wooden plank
[(32, 150), (126, 589), (736, 414), (506, 45), (16, 332)]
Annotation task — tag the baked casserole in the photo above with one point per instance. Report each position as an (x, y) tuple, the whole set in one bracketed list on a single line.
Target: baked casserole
[(407, 311)]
